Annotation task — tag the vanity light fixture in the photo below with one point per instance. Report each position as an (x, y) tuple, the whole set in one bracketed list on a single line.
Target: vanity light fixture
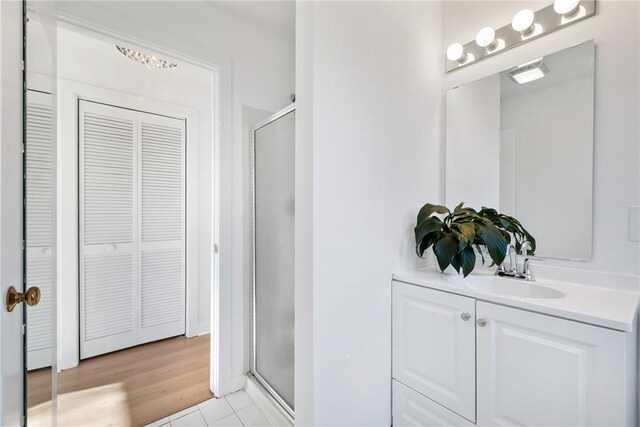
[(526, 25), (486, 38), (523, 22), (149, 61), (529, 71), (566, 8), (456, 53)]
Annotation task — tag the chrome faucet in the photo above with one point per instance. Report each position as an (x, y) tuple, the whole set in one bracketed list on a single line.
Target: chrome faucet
[(514, 271), (513, 260)]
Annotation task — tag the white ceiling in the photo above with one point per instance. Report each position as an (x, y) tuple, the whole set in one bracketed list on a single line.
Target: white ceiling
[(274, 16)]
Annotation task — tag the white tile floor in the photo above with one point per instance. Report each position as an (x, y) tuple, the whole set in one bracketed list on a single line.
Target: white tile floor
[(237, 409)]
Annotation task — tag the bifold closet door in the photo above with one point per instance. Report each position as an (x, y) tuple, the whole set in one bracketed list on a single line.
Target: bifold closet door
[(132, 202), (108, 295), (161, 231), (39, 226)]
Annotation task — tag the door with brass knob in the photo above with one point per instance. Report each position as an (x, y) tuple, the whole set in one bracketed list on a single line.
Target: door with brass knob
[(27, 216), (31, 297)]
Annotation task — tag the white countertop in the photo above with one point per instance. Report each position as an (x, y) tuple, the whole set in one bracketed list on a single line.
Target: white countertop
[(606, 307)]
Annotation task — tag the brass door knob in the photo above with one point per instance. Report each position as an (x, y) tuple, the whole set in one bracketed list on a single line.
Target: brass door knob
[(31, 297)]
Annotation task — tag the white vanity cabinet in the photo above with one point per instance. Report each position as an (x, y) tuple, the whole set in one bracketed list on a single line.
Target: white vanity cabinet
[(434, 338), (505, 366)]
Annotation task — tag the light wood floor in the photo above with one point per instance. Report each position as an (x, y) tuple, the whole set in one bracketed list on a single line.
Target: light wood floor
[(131, 387)]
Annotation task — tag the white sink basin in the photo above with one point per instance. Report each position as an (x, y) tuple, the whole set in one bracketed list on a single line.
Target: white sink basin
[(507, 287)]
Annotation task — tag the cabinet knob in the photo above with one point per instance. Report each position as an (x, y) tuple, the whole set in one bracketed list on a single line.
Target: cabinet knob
[(465, 316), (482, 322)]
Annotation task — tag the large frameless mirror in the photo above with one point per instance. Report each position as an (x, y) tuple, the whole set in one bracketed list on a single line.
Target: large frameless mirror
[(521, 141)]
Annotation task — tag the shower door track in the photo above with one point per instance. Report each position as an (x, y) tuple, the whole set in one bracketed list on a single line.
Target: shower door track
[(254, 372)]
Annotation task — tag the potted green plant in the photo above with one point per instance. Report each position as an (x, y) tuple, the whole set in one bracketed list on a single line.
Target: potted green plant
[(457, 236)]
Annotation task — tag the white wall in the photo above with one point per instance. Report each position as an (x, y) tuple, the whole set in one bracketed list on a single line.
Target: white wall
[(369, 77), (616, 150), (260, 75)]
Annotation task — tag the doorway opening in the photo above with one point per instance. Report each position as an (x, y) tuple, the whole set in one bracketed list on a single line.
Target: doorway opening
[(133, 185)]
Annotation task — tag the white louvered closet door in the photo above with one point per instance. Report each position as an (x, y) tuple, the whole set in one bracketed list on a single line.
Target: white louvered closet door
[(132, 210), (108, 160), (39, 223), (161, 186)]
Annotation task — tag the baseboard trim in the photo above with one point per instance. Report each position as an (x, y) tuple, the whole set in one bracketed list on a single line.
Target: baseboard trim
[(204, 330), (274, 413)]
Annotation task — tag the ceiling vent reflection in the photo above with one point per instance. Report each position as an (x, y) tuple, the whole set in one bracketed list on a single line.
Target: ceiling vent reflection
[(529, 71)]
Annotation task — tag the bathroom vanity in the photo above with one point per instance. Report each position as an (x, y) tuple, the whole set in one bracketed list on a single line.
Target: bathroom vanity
[(485, 350)]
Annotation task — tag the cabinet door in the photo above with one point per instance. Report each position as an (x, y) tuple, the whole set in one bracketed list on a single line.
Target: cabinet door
[(410, 408), (434, 347), (539, 370)]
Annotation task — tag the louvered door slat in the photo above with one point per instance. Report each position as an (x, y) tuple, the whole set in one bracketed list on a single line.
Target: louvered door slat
[(108, 178), (39, 192), (162, 180), (39, 226), (162, 290)]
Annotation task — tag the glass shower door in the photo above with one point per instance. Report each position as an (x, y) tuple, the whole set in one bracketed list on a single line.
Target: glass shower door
[(273, 147)]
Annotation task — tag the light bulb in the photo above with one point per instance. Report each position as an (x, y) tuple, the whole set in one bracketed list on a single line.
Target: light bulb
[(455, 53), (523, 22), (486, 38), (566, 7)]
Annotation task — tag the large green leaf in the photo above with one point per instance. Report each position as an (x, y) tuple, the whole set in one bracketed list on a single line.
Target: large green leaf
[(494, 241), (445, 248), (429, 209), (464, 232), (427, 226), (479, 249), (456, 261), (426, 242), (468, 260)]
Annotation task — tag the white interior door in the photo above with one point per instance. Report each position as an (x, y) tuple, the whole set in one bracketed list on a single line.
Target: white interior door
[(161, 248), (11, 211), (27, 215), (107, 228), (132, 227)]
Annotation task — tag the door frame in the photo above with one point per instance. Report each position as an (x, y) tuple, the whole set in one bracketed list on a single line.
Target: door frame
[(221, 378), (11, 128)]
